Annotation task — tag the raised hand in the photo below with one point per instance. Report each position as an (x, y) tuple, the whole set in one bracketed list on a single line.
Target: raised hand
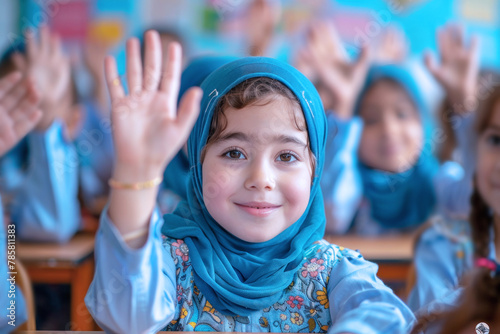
[(459, 67), (262, 18), (391, 47), (49, 67), (342, 78), (18, 110), (147, 129)]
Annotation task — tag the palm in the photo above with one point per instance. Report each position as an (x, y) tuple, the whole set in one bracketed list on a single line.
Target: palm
[(459, 66), (18, 110), (329, 57), (147, 129)]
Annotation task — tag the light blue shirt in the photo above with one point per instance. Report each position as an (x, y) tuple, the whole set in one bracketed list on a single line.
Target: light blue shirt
[(343, 189), (44, 204), (444, 253), (135, 290)]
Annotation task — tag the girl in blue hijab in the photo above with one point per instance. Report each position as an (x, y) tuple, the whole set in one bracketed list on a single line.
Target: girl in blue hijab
[(400, 181), (244, 252)]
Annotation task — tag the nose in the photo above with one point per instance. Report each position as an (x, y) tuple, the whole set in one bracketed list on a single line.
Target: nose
[(260, 176), (390, 127)]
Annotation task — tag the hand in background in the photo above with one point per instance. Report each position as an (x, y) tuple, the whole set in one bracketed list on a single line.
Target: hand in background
[(459, 67), (19, 111)]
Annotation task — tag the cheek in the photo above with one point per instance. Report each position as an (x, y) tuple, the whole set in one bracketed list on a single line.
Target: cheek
[(297, 189), (485, 166), (368, 144), (413, 138), (216, 183)]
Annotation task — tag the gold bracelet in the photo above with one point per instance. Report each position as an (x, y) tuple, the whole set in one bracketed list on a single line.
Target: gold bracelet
[(135, 186), (135, 234)]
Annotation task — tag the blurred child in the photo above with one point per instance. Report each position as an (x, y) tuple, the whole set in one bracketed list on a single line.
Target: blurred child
[(448, 250), (44, 203), (385, 145), (18, 115), (245, 251)]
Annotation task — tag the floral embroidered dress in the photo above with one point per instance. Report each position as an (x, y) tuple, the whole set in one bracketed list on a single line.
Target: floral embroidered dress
[(304, 306)]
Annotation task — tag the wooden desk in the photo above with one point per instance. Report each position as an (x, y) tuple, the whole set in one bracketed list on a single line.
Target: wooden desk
[(71, 263), (393, 254)]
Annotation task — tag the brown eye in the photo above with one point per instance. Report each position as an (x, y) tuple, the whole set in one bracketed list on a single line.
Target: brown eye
[(287, 157), (234, 154)]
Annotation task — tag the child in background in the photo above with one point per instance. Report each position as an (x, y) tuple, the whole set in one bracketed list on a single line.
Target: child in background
[(387, 139), (244, 252), (173, 188), (450, 249), (44, 204), (19, 114)]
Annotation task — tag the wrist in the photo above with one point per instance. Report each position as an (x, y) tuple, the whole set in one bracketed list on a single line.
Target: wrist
[(127, 173)]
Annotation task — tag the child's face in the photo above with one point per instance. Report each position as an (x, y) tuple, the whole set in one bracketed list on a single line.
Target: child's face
[(392, 135), (488, 162), (257, 176)]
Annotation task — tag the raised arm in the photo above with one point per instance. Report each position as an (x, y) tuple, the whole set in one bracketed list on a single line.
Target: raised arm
[(147, 129)]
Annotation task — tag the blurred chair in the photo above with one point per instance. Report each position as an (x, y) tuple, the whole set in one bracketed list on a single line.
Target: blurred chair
[(24, 283)]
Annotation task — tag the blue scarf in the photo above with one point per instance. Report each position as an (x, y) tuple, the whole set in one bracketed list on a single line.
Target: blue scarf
[(239, 277), (176, 174), (400, 200)]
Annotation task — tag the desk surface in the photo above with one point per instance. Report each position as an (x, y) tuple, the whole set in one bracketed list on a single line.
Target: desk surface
[(393, 248), (80, 247)]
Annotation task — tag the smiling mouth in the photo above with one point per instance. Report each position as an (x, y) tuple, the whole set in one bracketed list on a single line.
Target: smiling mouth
[(258, 209)]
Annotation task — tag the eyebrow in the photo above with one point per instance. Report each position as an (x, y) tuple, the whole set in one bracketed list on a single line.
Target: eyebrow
[(283, 139)]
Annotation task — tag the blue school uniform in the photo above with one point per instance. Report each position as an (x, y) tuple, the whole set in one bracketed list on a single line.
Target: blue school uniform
[(192, 268), (43, 203), (9, 324), (444, 253), (383, 202)]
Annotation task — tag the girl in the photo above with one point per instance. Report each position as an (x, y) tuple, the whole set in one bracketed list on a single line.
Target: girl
[(385, 143), (244, 252), (43, 203), (18, 115), (449, 249)]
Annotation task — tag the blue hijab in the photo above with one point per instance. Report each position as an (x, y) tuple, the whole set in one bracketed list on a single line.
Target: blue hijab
[(401, 200), (176, 174), (239, 277)]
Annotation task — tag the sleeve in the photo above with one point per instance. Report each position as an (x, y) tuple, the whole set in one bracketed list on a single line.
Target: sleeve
[(134, 290), (437, 274), (341, 181), (453, 182), (45, 207), (12, 167), (361, 303)]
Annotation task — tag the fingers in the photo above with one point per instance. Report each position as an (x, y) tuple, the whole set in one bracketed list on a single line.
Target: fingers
[(20, 61), (31, 45), (152, 61), (9, 82), (134, 66), (189, 108), (14, 97), (112, 79), (430, 63), (25, 119), (171, 76), (45, 44)]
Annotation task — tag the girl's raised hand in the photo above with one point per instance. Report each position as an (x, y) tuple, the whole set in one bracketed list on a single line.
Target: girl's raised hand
[(19, 111), (49, 67), (459, 67), (343, 78), (148, 130)]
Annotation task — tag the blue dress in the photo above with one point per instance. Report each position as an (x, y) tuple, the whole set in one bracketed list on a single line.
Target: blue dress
[(149, 289)]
